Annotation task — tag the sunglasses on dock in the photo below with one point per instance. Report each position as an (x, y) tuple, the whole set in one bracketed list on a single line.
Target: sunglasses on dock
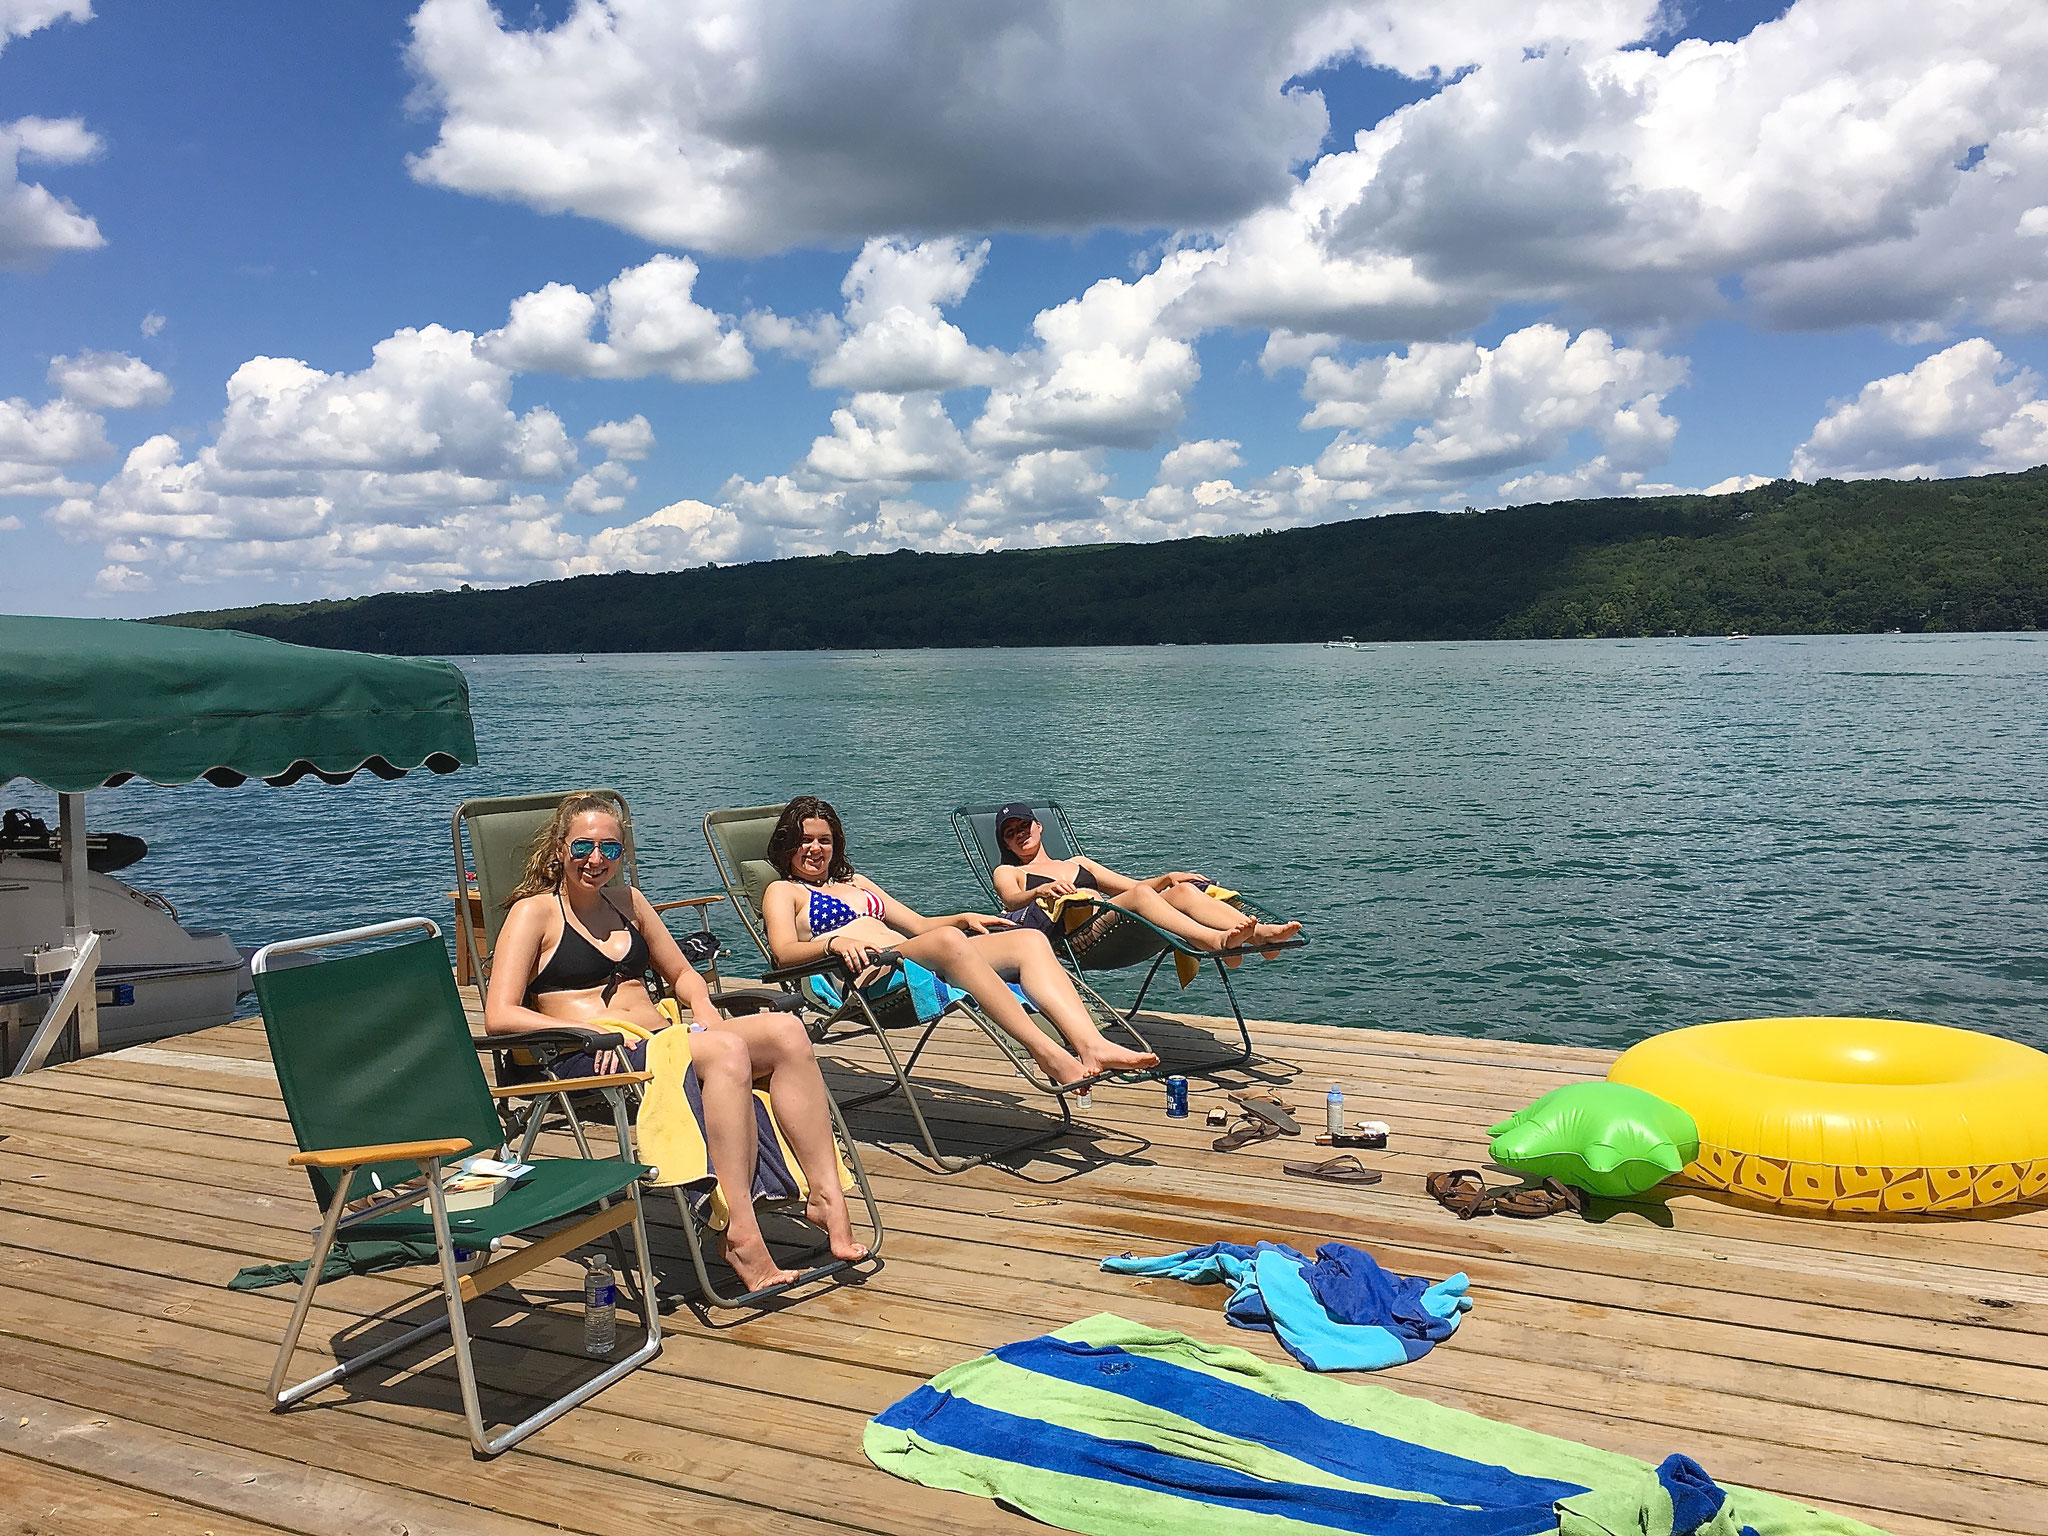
[(611, 849)]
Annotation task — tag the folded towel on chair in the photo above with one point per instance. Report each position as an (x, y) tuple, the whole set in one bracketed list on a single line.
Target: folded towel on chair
[(930, 995)]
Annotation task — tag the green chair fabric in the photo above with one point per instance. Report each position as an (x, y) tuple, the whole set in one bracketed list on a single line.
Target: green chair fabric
[(371, 1050)]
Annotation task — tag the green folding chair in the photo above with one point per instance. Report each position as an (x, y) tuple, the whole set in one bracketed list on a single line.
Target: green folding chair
[(382, 1083), (493, 837), (738, 839), (1126, 940)]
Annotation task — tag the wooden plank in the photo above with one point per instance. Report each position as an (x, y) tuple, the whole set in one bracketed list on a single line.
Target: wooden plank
[(40, 1500), (268, 1489)]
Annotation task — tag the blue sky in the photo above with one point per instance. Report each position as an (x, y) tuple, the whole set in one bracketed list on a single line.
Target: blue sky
[(308, 301)]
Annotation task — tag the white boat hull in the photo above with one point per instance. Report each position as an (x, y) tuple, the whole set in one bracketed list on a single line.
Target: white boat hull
[(177, 979)]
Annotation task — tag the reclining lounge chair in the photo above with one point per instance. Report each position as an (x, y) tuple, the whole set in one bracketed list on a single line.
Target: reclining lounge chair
[(738, 839), (499, 832), (1127, 941)]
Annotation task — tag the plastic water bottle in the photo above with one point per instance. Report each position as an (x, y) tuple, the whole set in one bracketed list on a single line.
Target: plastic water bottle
[(600, 1308), (1333, 1110)]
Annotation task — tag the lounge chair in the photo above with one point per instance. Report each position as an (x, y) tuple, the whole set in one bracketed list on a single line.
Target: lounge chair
[(1126, 941), (738, 839), (383, 1086), (499, 833)]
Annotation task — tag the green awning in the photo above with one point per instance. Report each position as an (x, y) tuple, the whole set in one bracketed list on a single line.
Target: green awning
[(92, 702)]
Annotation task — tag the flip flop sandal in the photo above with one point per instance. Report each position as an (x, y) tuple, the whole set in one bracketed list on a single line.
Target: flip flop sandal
[(1461, 1191), (1538, 1200), (1247, 1132), (1270, 1110), (1338, 1170)]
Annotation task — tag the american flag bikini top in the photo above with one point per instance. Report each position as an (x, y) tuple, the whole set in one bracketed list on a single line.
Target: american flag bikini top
[(828, 913)]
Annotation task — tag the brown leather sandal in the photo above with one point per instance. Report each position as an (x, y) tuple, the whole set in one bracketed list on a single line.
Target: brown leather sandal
[(1245, 1133), (1538, 1200), (1461, 1191), (1338, 1170), (1269, 1109)]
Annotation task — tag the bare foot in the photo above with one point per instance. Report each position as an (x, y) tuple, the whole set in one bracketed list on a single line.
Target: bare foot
[(830, 1217), (752, 1262), (1105, 1057), (1237, 938), (1273, 933), (1059, 1067)]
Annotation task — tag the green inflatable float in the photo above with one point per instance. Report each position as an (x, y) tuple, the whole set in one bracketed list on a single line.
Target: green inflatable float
[(1606, 1138)]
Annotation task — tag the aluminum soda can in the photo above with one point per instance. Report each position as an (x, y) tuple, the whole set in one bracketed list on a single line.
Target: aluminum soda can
[(1176, 1098)]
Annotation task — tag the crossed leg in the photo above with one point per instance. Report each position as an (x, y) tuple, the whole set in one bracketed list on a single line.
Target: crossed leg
[(778, 1049), (725, 1075)]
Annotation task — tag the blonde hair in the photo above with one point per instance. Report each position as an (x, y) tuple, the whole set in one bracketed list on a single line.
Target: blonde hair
[(544, 858)]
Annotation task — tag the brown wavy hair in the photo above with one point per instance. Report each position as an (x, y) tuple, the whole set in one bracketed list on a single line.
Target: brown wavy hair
[(789, 831), (544, 859)]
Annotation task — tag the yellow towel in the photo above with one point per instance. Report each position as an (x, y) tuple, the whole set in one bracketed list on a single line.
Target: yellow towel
[(668, 1134), (1188, 967)]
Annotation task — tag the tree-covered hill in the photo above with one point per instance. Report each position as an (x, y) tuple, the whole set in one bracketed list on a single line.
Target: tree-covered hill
[(1787, 557)]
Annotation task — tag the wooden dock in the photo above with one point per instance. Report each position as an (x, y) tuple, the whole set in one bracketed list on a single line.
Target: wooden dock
[(1894, 1371)]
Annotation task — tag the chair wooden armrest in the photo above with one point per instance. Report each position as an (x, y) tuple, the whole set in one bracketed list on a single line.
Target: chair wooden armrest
[(687, 901), (570, 1085), (389, 1152)]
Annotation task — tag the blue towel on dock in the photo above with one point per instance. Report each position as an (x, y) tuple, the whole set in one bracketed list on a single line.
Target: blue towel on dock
[(930, 995), (1339, 1311)]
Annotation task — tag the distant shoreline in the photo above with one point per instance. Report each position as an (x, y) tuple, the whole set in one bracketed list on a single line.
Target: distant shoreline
[(1788, 558)]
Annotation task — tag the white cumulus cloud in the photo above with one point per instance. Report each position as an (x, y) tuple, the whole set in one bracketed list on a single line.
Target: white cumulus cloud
[(1964, 411), (737, 127), (894, 338), (652, 325), (629, 441), (110, 381), (35, 223), (1440, 415)]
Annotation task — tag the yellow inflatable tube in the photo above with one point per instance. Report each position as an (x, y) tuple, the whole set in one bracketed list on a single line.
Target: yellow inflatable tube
[(1855, 1114)]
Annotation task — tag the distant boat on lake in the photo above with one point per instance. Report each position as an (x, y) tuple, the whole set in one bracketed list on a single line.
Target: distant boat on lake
[(1344, 644)]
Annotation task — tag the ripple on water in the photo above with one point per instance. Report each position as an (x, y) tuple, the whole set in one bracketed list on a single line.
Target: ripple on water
[(1576, 842)]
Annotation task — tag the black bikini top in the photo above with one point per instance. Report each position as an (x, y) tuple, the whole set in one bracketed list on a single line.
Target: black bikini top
[(1083, 876), (577, 965)]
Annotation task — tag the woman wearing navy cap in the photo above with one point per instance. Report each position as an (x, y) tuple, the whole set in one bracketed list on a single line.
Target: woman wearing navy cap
[(821, 907), (1177, 901)]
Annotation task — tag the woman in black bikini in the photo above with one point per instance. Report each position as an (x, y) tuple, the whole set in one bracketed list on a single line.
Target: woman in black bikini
[(575, 949), (1178, 901)]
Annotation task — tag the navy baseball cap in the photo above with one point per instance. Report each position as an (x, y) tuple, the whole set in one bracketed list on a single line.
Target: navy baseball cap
[(1016, 810)]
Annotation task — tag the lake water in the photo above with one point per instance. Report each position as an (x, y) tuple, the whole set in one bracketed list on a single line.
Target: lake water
[(1583, 842)]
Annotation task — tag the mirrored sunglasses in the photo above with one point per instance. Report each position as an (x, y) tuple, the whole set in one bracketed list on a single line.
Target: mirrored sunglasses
[(611, 849)]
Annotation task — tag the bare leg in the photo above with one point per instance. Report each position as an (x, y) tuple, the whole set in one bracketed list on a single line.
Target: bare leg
[(949, 953), (724, 1074), (1046, 982), (1204, 908), (779, 1050), (1224, 928)]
